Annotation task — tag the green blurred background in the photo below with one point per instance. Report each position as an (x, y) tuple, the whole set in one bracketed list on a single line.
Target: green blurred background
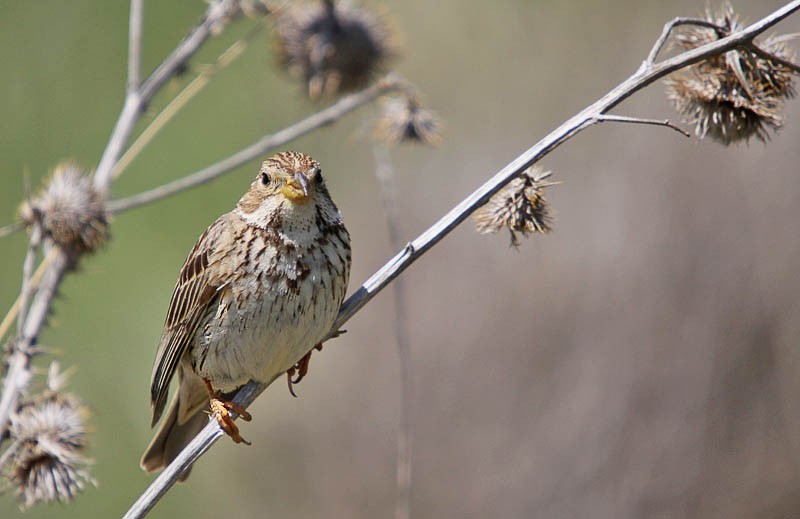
[(641, 361)]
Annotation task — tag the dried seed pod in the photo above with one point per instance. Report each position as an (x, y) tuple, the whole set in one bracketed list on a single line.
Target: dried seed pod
[(70, 211), (404, 120), (734, 96), (46, 462), (519, 207), (334, 47)]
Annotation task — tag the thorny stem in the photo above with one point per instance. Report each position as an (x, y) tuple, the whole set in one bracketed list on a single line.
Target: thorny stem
[(647, 73), (384, 172)]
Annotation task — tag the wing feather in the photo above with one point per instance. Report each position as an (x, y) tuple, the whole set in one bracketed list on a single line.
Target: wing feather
[(194, 296)]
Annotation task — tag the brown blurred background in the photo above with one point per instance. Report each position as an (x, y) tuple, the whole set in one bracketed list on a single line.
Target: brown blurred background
[(640, 361)]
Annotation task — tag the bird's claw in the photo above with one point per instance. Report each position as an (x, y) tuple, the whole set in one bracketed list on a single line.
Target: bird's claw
[(220, 410)]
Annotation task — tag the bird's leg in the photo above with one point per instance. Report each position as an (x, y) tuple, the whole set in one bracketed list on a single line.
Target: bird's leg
[(301, 368), (220, 411)]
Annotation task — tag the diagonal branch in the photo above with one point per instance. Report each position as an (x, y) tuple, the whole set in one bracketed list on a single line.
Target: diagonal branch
[(647, 74), (322, 118)]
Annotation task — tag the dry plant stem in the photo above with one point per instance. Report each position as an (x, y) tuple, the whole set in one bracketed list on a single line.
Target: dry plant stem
[(135, 44), (27, 274), (136, 100), (638, 120), (14, 310), (322, 118), (775, 59), (19, 361), (668, 28), (18, 369), (182, 99), (384, 172), (10, 229), (647, 74)]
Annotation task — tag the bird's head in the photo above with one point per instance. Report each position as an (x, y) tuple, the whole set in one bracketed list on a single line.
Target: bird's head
[(285, 184)]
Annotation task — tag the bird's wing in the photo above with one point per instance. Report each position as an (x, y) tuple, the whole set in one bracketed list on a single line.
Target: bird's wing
[(195, 294)]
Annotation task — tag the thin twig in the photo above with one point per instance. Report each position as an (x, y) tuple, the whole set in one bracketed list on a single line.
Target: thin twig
[(668, 28), (8, 230), (384, 172), (322, 118), (638, 120), (182, 99), (12, 312), (27, 275), (135, 44), (18, 364), (775, 59), (137, 100), (416, 248)]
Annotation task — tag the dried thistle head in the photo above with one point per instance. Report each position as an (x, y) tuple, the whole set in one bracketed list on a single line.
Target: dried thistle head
[(71, 212), (334, 47), (519, 207), (46, 462), (734, 96), (404, 120)]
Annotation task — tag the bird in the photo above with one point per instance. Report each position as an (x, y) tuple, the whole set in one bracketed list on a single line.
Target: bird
[(259, 290)]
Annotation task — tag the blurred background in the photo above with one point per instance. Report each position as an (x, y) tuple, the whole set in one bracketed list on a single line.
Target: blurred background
[(640, 361)]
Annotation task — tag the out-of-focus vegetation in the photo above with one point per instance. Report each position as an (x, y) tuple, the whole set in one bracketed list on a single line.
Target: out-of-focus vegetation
[(640, 361)]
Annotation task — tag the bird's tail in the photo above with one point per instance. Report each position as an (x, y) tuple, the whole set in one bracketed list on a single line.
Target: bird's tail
[(180, 425)]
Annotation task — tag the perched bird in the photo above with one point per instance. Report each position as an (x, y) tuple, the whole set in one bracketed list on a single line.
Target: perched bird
[(258, 291)]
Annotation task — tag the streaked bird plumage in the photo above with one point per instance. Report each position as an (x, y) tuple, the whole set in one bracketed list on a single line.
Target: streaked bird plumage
[(260, 288)]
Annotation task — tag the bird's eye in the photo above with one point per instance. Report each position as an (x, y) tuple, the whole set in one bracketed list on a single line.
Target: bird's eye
[(264, 178)]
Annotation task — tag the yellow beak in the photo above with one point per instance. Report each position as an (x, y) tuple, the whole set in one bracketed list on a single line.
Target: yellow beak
[(296, 189)]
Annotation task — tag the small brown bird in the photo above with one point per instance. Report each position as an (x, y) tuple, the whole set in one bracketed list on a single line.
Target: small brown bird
[(258, 291)]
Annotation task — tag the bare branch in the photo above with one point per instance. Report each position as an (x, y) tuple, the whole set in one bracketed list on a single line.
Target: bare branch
[(384, 172), (19, 360), (182, 99), (8, 230), (322, 118), (775, 59), (646, 75), (638, 120), (135, 44), (136, 101), (668, 28), (27, 274)]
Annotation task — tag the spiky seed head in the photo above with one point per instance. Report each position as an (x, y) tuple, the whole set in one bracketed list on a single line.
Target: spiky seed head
[(334, 47), (47, 461), (404, 120), (733, 96), (71, 212), (519, 207)]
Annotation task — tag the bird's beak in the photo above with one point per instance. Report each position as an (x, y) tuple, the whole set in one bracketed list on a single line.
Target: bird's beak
[(296, 189)]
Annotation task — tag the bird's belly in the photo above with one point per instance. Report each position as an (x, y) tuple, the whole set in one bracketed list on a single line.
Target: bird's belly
[(260, 337)]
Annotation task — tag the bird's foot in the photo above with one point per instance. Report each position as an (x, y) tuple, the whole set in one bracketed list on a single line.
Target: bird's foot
[(301, 369), (220, 410)]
